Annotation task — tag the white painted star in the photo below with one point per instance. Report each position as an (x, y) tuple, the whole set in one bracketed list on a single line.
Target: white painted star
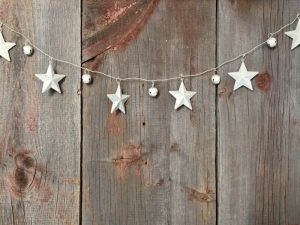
[(5, 47), (183, 97), (243, 77), (118, 100), (50, 79), (295, 35)]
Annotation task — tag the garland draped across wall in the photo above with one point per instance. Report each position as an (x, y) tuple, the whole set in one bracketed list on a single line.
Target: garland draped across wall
[(183, 97)]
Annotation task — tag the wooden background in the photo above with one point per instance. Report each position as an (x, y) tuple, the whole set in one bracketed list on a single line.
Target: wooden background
[(234, 159)]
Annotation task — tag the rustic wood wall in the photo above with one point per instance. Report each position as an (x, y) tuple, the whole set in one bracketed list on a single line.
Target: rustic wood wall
[(40, 133), (234, 159), (153, 165), (258, 140)]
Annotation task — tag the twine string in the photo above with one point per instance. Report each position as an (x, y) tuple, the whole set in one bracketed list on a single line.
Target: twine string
[(181, 77)]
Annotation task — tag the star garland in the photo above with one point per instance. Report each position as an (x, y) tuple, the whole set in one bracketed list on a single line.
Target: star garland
[(243, 77), (118, 100), (5, 47), (50, 79), (183, 97), (295, 35)]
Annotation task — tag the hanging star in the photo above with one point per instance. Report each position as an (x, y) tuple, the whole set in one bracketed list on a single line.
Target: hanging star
[(183, 97), (295, 35), (118, 100), (5, 47), (243, 77), (50, 79)]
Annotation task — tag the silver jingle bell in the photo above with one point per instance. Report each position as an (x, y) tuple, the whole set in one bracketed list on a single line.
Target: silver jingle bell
[(86, 78), (216, 79), (28, 50), (272, 42), (153, 91)]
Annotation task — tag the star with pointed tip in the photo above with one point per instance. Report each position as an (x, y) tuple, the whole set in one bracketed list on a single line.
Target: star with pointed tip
[(243, 77), (5, 47), (50, 79), (295, 35), (183, 97), (118, 100)]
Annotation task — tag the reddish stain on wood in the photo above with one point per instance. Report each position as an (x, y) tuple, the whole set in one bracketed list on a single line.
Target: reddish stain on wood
[(27, 180), (128, 157), (112, 25), (19, 177), (114, 13), (263, 81), (195, 195), (133, 33), (161, 182), (225, 93), (174, 147), (24, 159), (64, 199), (46, 193), (221, 92), (102, 13), (2, 15), (31, 123), (95, 63)]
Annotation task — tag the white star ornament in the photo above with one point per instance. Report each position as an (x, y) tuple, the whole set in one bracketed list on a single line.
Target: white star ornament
[(183, 97), (243, 77), (50, 79), (118, 100), (5, 47), (295, 35)]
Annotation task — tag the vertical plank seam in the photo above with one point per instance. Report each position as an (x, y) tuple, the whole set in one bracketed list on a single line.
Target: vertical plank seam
[(81, 122), (216, 116)]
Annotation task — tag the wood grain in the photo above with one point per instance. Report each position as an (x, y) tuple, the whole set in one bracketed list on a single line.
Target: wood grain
[(258, 137), (112, 24), (152, 165), (40, 133)]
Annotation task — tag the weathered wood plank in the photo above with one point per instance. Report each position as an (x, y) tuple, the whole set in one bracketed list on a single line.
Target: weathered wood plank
[(259, 160), (152, 165), (40, 133)]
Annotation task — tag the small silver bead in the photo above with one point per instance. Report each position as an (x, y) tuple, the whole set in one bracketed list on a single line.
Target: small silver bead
[(216, 79), (86, 78), (272, 42), (153, 91), (28, 50)]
